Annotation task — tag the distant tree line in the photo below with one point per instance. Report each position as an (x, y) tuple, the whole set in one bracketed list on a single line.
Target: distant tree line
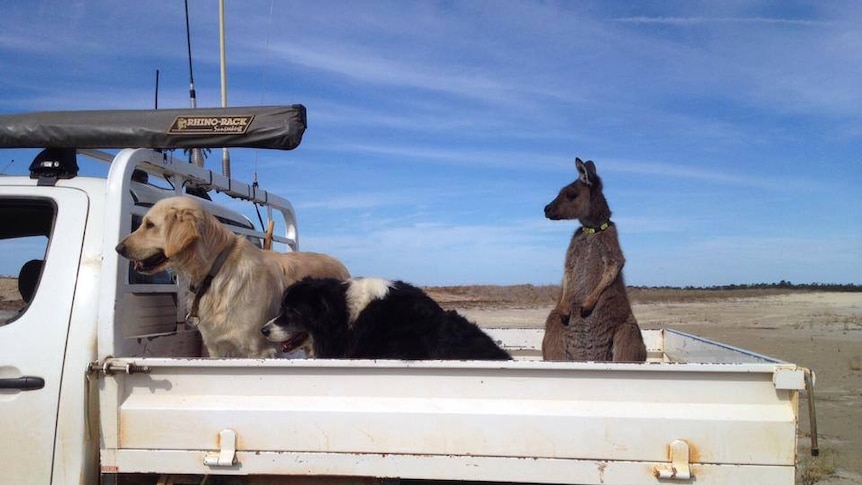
[(781, 285)]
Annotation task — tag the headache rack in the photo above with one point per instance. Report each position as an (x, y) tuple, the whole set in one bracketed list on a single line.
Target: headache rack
[(145, 138)]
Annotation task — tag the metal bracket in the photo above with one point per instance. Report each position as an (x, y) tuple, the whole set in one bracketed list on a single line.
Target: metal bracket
[(812, 415), (226, 456), (678, 468), (110, 367)]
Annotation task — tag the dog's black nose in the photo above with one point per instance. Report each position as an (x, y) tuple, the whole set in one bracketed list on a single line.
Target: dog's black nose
[(121, 248), (265, 330)]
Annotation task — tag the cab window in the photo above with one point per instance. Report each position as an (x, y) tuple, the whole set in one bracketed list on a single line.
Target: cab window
[(25, 229)]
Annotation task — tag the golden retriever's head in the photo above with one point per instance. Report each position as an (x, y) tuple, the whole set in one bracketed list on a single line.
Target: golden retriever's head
[(169, 228)]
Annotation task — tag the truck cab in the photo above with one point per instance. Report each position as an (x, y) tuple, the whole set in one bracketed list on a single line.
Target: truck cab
[(44, 229), (57, 234)]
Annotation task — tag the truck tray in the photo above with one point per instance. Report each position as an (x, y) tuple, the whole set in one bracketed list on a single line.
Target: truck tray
[(697, 410)]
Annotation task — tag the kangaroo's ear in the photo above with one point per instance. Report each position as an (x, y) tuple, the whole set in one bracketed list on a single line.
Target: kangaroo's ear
[(584, 171), (181, 232)]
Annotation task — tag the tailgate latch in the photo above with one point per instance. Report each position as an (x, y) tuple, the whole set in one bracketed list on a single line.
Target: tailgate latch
[(111, 366), (678, 468), (226, 455)]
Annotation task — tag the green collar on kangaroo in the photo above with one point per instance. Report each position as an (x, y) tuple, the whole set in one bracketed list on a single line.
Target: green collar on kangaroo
[(593, 230)]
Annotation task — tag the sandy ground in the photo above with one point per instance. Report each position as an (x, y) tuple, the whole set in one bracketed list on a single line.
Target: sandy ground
[(821, 331)]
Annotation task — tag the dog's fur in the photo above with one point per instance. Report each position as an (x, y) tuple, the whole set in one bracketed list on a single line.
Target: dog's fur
[(370, 318), (593, 319), (178, 233)]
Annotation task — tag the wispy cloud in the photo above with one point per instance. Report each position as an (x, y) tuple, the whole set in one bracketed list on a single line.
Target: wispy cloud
[(26, 45), (420, 252), (552, 163), (355, 201), (694, 171), (369, 68), (684, 21), (774, 64), (463, 157), (741, 259)]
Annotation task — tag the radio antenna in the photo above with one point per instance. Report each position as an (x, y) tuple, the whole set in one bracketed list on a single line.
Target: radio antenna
[(225, 156), (196, 157), (156, 101)]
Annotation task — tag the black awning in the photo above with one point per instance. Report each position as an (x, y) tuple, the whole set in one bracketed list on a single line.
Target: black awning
[(278, 127)]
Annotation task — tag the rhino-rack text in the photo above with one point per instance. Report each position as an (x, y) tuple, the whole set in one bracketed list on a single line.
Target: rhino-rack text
[(196, 125)]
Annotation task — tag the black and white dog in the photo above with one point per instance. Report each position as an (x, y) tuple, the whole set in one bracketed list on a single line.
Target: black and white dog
[(371, 318)]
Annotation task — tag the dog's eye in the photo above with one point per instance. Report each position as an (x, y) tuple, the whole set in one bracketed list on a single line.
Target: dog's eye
[(149, 225)]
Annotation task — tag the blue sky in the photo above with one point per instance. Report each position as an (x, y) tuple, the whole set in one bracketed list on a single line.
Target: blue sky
[(727, 134)]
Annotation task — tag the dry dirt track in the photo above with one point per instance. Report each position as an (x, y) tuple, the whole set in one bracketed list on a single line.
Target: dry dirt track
[(822, 331)]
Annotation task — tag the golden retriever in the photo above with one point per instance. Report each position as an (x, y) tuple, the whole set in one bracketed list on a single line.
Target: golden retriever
[(245, 284)]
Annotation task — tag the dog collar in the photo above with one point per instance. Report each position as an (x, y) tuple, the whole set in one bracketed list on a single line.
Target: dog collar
[(593, 230), (192, 317)]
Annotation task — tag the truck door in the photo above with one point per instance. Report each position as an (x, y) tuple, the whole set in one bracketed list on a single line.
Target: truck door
[(41, 234)]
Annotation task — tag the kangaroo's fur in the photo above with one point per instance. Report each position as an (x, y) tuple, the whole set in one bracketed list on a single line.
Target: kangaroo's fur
[(593, 321)]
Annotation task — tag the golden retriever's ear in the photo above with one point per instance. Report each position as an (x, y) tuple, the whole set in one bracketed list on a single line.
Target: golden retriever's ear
[(180, 232)]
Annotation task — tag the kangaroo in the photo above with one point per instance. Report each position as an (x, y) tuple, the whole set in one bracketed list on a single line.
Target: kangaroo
[(593, 321)]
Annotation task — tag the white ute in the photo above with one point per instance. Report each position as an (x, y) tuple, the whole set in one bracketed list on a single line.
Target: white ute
[(101, 381)]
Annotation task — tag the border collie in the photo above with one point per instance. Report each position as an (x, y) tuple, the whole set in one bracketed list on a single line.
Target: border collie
[(371, 318)]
